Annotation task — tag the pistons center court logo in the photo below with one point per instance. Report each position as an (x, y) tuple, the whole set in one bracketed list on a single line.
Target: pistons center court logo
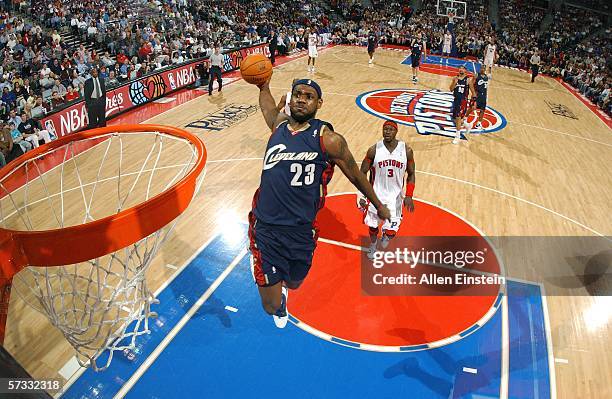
[(429, 111)]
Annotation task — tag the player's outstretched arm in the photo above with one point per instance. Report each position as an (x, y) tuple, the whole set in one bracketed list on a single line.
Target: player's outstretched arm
[(268, 106), (341, 155)]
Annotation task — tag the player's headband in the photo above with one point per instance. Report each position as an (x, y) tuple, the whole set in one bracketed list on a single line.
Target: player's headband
[(311, 83), (390, 123)]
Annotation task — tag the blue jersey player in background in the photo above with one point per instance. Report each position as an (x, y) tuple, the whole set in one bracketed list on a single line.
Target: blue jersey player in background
[(418, 47), (480, 83), (461, 86), (372, 44), (298, 164)]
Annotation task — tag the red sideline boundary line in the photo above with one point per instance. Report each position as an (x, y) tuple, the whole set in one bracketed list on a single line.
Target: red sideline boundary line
[(134, 116)]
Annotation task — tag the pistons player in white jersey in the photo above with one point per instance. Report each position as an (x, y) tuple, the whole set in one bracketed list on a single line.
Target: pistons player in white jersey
[(490, 56), (447, 43), (313, 40), (388, 161)]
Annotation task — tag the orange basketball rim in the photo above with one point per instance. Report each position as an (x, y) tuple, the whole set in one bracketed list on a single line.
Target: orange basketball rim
[(93, 239)]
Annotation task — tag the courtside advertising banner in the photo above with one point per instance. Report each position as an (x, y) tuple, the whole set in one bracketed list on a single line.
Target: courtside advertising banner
[(141, 91)]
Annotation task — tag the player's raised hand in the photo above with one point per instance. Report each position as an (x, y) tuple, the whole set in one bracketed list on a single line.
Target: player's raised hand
[(266, 84), (384, 213), (409, 204)]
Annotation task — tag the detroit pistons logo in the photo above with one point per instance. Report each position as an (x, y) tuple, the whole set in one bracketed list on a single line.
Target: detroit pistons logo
[(429, 111)]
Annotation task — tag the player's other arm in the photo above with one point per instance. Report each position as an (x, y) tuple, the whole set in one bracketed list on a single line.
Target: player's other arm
[(268, 106), (453, 84), (366, 164), (473, 86), (341, 155), (424, 48), (410, 180)]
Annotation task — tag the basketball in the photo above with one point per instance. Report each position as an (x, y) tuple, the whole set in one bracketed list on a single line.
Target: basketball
[(256, 69)]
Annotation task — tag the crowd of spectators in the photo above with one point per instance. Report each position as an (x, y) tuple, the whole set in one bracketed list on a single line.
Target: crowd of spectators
[(585, 64), (587, 68), (41, 71), (519, 33), (396, 23)]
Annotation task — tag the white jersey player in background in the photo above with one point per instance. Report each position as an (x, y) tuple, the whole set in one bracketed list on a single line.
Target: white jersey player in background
[(447, 43), (388, 161), (490, 56), (313, 41)]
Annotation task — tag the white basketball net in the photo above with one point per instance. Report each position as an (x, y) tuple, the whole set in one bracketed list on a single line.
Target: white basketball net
[(103, 304)]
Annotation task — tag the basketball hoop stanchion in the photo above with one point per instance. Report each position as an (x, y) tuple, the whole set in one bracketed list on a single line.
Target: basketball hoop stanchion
[(88, 276)]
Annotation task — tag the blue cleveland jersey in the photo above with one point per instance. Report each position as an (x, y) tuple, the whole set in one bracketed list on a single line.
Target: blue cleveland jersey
[(296, 170), (372, 42), (482, 82), (461, 89), (417, 48)]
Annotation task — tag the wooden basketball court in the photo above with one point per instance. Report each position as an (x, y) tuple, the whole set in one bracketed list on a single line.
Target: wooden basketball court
[(542, 174)]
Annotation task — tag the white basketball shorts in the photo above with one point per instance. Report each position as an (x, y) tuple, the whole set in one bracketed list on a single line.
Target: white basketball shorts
[(312, 51)]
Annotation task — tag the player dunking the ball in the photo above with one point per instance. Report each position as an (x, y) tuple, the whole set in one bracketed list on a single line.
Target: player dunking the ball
[(460, 86), (387, 162), (298, 164)]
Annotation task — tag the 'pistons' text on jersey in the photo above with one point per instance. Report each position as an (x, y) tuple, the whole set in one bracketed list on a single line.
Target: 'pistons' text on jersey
[(387, 176)]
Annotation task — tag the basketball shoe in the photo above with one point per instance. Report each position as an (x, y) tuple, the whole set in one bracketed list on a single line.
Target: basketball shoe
[(281, 316)]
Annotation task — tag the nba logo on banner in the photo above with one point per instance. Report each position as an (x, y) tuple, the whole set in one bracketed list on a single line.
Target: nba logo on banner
[(172, 83), (428, 111), (50, 127)]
